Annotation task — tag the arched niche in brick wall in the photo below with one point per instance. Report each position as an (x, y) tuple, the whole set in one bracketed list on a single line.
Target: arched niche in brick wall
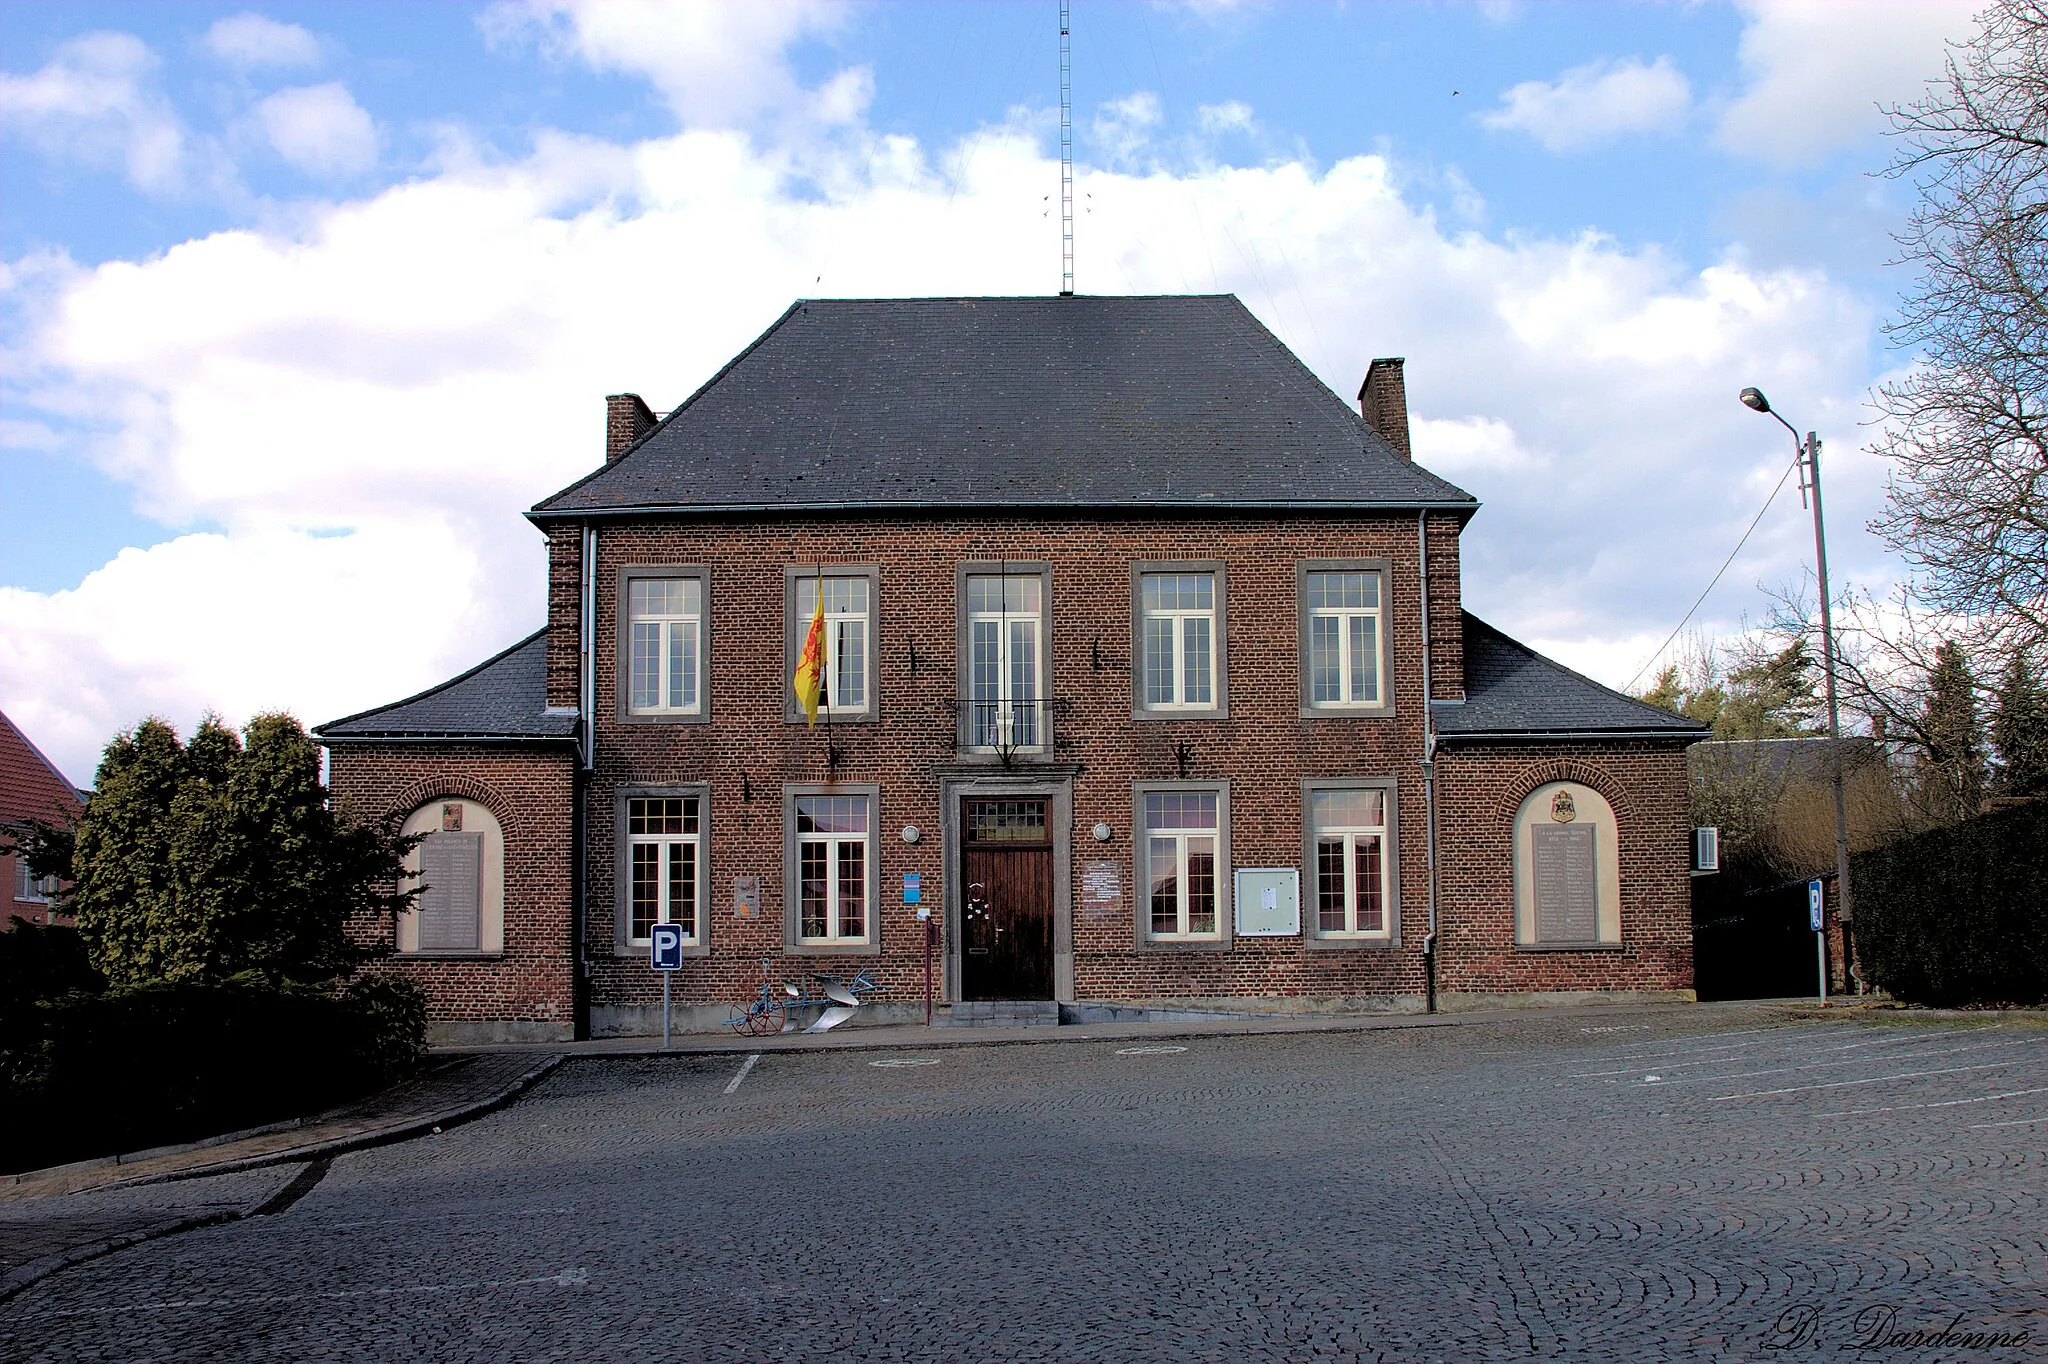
[(1567, 842), (462, 862)]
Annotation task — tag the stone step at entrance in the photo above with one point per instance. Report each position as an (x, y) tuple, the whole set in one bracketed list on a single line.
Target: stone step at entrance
[(1000, 1013)]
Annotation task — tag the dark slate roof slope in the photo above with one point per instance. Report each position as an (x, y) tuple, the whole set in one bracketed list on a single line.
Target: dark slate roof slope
[(1011, 402), (1513, 691), (502, 698)]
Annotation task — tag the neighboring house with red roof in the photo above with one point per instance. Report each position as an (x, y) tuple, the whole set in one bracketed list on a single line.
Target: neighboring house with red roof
[(31, 787)]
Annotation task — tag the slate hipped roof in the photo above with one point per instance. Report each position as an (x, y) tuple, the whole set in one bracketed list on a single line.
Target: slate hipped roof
[(1511, 691), (504, 697), (958, 403)]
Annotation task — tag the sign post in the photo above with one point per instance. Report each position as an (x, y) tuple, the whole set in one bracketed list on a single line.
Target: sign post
[(1816, 916), (665, 954), (913, 894)]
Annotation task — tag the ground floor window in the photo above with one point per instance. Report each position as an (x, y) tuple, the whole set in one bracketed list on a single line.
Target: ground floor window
[(834, 847), (664, 852), (1181, 849), (1352, 867)]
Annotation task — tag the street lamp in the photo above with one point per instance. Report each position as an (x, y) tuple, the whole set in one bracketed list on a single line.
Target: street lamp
[(1808, 454)]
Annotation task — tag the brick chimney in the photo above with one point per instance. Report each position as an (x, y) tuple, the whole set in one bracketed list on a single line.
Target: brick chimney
[(1383, 402), (626, 420)]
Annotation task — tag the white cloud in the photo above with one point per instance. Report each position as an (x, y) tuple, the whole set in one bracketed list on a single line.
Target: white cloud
[(1818, 70), (363, 403), (1123, 128), (1595, 103), (96, 101), (320, 129), (719, 65), (252, 40)]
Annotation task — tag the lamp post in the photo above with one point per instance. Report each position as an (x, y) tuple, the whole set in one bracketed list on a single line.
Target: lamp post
[(1809, 461)]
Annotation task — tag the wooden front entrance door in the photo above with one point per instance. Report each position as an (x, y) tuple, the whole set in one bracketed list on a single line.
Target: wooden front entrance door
[(1005, 898)]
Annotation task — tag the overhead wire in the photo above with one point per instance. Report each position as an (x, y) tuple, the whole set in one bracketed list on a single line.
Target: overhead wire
[(1717, 576)]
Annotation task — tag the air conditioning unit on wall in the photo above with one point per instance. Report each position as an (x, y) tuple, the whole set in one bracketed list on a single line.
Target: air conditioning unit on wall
[(1706, 851)]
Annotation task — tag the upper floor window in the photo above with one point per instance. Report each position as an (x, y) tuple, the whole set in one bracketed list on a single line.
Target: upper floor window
[(1005, 639), (847, 633), (1177, 640), (1341, 611), (664, 837), (36, 889), (666, 669), (1182, 853), (1349, 827)]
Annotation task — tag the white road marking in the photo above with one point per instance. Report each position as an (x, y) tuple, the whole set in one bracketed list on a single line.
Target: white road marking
[(2011, 1122), (745, 1066), (1887, 1057), (1872, 1080), (906, 1061), (1148, 1051), (565, 1278), (1945, 1103)]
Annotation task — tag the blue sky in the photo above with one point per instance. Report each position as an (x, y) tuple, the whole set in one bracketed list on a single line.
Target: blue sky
[(302, 305)]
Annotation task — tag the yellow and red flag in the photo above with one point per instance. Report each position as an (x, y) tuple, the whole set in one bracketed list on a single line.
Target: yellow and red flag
[(810, 664)]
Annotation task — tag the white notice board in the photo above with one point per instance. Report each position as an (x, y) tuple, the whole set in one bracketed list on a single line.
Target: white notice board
[(1268, 902)]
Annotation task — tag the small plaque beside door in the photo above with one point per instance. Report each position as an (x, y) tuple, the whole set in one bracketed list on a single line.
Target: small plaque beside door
[(746, 897), (1268, 902)]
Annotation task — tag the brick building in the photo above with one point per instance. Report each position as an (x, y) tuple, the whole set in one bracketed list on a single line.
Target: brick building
[(31, 787), (1128, 668)]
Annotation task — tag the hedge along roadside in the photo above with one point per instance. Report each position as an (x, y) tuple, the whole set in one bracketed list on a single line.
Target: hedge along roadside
[(1956, 916), (154, 1064)]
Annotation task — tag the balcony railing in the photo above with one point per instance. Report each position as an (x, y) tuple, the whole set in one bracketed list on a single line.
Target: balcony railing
[(1006, 728)]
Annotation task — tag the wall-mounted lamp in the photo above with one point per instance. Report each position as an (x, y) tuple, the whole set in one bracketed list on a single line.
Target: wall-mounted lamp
[(912, 834), (1102, 833)]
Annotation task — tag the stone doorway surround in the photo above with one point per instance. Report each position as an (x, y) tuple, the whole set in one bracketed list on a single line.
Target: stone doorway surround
[(1057, 787)]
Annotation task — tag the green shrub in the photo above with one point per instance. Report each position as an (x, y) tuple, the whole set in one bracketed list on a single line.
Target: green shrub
[(151, 1064), (1956, 916)]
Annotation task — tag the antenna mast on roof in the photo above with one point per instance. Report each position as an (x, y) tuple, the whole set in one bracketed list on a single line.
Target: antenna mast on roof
[(1066, 151)]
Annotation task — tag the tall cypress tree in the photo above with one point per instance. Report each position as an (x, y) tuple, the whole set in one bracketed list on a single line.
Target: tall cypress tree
[(1950, 786), (2019, 731)]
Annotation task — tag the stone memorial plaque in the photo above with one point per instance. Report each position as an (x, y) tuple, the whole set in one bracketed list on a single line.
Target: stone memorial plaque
[(1566, 882), (746, 897), (1102, 889)]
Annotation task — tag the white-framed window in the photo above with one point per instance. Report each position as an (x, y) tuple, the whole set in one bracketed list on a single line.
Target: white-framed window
[(664, 861), (847, 689), (1177, 640), (1342, 631), (834, 873), (1005, 620), (1353, 866), (35, 889), (1181, 847), (665, 670)]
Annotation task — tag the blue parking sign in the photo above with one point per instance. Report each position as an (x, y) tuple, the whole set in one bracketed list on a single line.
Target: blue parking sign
[(665, 947), (1816, 897)]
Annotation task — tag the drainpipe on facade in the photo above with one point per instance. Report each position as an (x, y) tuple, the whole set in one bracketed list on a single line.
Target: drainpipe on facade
[(579, 814), (1428, 766)]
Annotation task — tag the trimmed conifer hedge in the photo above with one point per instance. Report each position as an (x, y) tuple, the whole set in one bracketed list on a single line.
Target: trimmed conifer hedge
[(1958, 915), (90, 1071)]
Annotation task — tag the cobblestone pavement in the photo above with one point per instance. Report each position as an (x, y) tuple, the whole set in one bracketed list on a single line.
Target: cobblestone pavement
[(1704, 1183)]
